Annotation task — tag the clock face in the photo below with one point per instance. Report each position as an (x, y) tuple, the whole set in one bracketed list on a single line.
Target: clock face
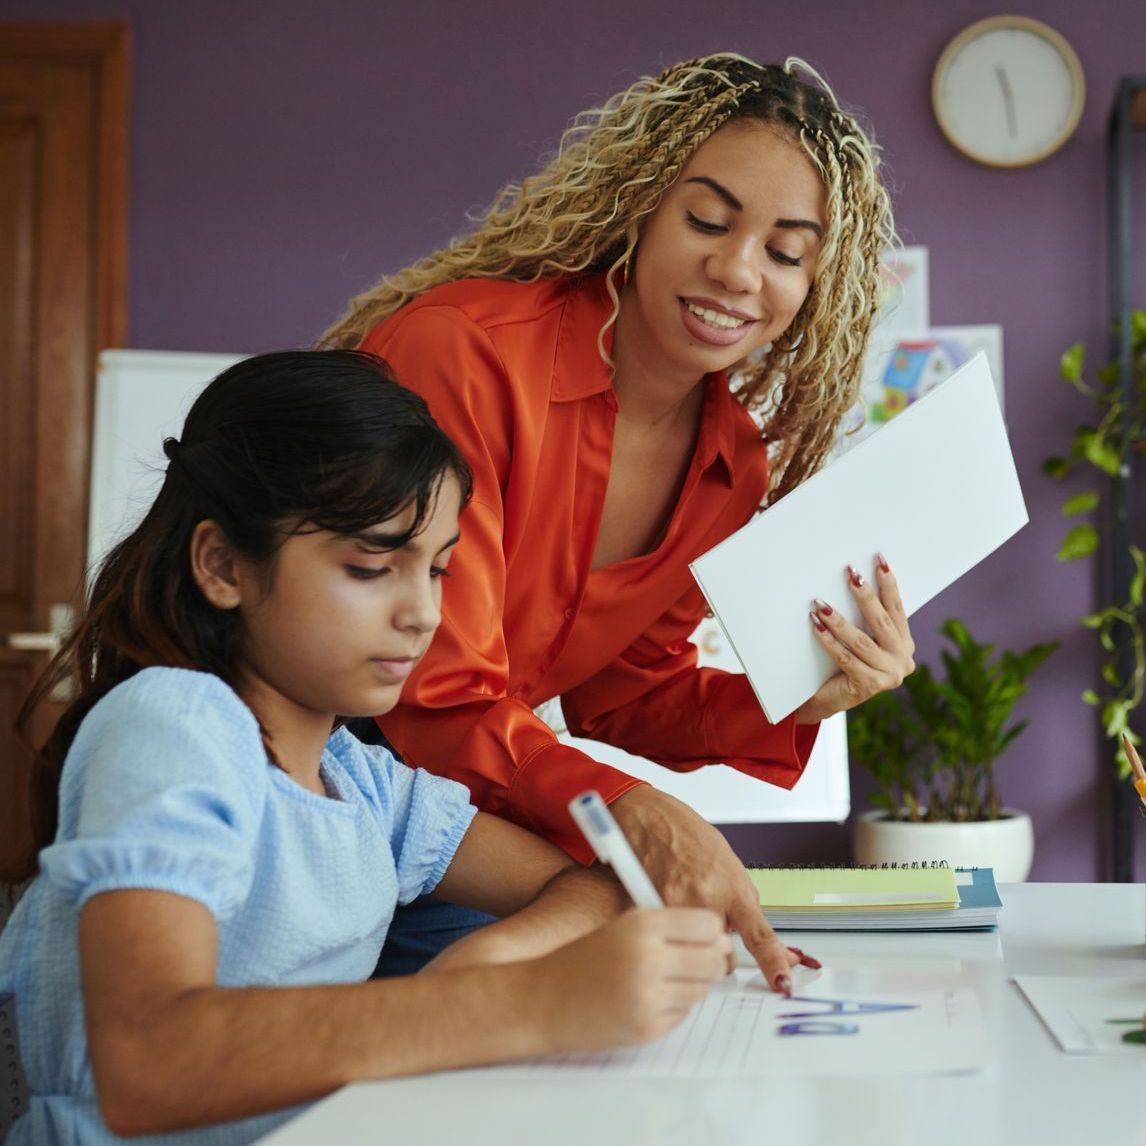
[(1008, 91)]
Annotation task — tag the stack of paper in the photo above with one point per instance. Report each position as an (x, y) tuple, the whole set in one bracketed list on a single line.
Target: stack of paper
[(884, 899)]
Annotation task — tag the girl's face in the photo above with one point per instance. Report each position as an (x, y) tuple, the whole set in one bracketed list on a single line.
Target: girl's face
[(344, 621), (725, 262)]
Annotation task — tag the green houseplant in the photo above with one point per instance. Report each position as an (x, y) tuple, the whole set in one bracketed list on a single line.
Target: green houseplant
[(1115, 430), (932, 747), (932, 744)]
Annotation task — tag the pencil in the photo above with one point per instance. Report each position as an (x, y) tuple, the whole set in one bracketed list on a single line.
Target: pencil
[(1136, 766)]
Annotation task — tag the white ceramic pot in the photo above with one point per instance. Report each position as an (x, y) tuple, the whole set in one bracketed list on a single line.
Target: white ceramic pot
[(1007, 844)]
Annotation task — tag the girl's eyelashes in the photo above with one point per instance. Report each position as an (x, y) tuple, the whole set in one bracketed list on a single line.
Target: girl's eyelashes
[(363, 573)]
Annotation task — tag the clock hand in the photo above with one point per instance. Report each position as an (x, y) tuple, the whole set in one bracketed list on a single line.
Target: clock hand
[(1008, 100)]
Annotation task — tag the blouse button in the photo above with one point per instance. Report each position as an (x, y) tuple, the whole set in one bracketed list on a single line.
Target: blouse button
[(570, 614)]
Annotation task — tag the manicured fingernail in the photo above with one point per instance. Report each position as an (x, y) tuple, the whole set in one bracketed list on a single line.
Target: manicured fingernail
[(856, 576), (883, 563), (823, 607), (820, 626), (783, 985), (810, 961)]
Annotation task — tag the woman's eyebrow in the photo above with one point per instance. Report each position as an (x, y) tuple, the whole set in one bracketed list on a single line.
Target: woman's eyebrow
[(720, 189), (736, 205), (801, 224)]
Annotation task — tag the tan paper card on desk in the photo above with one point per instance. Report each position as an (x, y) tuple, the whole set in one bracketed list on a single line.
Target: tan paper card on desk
[(935, 490)]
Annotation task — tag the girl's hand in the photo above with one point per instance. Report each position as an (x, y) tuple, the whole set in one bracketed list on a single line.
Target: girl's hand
[(631, 981), (691, 863), (868, 664)]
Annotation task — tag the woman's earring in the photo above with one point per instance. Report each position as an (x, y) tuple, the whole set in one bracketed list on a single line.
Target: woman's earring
[(627, 269)]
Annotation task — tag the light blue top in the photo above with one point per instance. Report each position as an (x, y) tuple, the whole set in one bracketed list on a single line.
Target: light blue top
[(167, 786)]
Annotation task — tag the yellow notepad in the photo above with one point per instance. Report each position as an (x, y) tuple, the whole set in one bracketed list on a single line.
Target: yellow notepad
[(843, 889)]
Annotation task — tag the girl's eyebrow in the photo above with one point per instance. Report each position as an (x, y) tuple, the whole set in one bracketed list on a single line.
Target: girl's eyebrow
[(376, 539), (736, 205)]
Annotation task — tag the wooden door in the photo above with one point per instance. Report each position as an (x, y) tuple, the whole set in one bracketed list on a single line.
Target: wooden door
[(63, 210)]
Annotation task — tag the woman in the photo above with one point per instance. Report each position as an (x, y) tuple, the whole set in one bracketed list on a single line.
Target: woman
[(637, 348)]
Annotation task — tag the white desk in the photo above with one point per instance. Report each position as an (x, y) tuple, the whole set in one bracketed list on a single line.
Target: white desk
[(1033, 1093)]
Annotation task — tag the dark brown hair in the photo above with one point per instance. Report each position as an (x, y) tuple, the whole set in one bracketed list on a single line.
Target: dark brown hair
[(279, 442)]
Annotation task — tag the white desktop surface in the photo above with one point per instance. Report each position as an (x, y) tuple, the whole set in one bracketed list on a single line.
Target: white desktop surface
[(1032, 1093)]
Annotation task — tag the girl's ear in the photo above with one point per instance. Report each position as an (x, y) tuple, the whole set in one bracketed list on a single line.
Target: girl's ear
[(215, 566)]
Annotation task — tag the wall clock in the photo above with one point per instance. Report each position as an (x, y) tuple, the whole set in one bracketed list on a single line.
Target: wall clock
[(1008, 91)]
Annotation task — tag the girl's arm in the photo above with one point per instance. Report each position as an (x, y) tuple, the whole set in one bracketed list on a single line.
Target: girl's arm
[(171, 1050), (508, 871)]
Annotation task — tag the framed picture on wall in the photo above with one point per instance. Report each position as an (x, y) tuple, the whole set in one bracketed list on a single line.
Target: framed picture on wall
[(903, 365)]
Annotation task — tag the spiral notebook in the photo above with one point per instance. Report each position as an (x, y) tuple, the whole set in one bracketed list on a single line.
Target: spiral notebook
[(877, 899)]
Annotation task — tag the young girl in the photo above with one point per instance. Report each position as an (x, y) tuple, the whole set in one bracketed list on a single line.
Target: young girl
[(637, 347), (224, 868)]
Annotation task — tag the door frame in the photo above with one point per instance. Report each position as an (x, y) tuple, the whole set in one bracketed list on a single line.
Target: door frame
[(104, 47)]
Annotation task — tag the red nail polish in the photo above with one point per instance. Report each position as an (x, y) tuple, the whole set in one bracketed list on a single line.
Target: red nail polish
[(810, 961), (856, 576), (783, 985), (818, 623), (823, 607), (884, 567)]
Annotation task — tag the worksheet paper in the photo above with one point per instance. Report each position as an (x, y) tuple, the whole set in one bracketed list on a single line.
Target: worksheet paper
[(935, 490), (1078, 1011), (736, 1033)]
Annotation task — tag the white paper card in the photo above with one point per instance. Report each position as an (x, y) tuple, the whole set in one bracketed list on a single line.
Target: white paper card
[(1088, 1015), (743, 1030), (935, 490)]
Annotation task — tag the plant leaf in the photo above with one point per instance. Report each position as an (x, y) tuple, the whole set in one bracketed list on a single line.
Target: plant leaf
[(1070, 365), (1080, 541), (1139, 577), (1081, 503), (1099, 452)]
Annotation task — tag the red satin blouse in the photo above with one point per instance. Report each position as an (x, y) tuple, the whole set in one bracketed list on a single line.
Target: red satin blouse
[(512, 373)]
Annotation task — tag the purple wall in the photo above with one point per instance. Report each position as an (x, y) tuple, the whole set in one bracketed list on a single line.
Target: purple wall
[(285, 155)]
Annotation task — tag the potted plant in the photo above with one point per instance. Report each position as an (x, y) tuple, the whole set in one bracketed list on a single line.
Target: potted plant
[(932, 746), (1099, 446)]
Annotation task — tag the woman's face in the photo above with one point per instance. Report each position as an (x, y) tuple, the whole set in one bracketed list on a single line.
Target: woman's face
[(726, 260)]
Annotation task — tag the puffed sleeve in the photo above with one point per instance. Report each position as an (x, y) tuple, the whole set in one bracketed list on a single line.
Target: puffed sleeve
[(163, 789), (425, 816)]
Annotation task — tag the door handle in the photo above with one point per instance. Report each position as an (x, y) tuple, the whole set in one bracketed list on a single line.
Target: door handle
[(61, 618)]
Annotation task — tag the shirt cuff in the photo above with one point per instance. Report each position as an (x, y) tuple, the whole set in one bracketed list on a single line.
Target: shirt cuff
[(548, 780), (741, 736)]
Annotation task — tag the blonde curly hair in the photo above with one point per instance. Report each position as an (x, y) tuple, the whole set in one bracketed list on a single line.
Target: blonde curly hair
[(581, 213)]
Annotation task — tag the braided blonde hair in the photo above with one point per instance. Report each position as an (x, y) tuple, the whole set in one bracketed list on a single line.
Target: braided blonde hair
[(581, 213)]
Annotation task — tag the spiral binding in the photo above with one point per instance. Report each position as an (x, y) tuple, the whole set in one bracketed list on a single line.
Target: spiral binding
[(913, 865)]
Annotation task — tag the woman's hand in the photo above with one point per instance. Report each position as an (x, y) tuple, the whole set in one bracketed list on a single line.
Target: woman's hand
[(868, 664), (691, 864), (631, 981)]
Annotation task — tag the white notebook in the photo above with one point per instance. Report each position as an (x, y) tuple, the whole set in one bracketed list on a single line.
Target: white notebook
[(935, 490)]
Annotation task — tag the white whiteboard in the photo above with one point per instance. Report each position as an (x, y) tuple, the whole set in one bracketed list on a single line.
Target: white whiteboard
[(142, 396), (722, 795)]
